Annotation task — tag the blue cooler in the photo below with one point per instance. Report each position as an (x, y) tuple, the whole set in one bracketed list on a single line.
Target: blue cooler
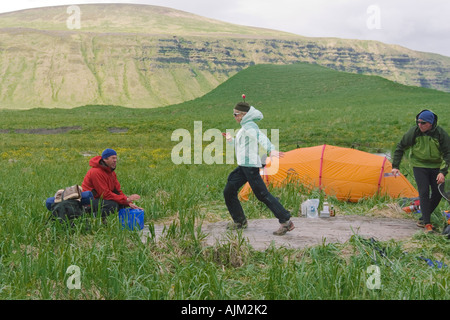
[(131, 218)]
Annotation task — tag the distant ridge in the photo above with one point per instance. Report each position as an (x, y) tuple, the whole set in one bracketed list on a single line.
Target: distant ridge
[(128, 18), (148, 56)]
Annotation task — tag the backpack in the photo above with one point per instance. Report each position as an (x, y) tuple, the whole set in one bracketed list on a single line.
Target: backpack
[(73, 192), (67, 205), (67, 210)]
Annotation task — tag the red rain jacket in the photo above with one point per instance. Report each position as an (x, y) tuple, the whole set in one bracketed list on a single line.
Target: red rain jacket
[(104, 181)]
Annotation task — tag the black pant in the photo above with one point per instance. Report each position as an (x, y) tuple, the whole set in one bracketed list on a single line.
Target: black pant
[(236, 180), (106, 207), (426, 181)]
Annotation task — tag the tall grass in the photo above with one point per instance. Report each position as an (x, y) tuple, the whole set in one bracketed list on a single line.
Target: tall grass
[(308, 104)]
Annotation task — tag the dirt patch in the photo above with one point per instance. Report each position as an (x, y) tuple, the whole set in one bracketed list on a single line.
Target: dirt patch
[(48, 131), (117, 130), (309, 232), (58, 130)]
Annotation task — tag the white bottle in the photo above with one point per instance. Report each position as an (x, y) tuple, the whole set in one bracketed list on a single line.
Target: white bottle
[(325, 213)]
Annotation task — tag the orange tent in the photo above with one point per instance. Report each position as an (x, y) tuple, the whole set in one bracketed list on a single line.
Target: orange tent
[(345, 173)]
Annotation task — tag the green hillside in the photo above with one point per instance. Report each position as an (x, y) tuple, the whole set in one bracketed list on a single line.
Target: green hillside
[(309, 104), (143, 56)]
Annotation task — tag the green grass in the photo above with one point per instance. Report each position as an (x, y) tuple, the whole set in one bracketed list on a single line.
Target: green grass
[(309, 105)]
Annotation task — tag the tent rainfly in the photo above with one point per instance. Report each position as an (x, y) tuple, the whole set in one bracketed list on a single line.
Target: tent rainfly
[(344, 173)]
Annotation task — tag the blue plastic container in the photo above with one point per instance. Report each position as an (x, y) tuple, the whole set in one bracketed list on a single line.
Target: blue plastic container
[(131, 218)]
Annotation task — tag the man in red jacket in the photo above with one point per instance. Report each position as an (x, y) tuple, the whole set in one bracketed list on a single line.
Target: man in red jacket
[(102, 181)]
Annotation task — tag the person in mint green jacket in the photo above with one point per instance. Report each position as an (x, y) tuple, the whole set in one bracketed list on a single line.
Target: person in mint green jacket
[(246, 143), (429, 152)]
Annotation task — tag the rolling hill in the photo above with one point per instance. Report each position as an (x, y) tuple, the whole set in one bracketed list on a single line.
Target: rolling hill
[(147, 56), (313, 105), (308, 104)]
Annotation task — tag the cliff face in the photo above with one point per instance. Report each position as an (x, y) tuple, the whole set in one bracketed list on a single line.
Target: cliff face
[(395, 63), (56, 67)]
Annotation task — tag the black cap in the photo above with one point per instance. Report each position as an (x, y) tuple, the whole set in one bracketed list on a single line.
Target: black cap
[(242, 106)]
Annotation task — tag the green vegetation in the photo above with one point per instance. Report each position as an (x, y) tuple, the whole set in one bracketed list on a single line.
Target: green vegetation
[(309, 104)]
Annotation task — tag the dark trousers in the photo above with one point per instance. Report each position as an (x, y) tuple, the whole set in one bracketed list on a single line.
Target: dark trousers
[(426, 182), (106, 207), (236, 180)]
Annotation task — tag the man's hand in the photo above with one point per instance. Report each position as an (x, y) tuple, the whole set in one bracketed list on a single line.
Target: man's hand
[(133, 197), (133, 206), (227, 136), (395, 172), (276, 154), (440, 178)]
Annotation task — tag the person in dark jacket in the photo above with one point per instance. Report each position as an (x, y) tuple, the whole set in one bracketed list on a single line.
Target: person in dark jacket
[(101, 180), (429, 146)]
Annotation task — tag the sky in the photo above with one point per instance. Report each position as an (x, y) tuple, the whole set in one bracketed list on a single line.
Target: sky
[(416, 24)]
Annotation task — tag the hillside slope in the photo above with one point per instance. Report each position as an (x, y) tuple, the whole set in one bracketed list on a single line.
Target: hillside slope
[(309, 105), (148, 56), (312, 105)]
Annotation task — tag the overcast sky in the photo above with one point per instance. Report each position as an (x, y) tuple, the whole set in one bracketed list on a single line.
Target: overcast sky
[(415, 24)]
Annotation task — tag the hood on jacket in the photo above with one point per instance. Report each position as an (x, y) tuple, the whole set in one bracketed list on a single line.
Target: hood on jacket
[(435, 117), (95, 163), (252, 115)]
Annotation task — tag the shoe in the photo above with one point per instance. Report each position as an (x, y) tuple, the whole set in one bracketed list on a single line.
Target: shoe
[(237, 225), (446, 231), (420, 224), (284, 227), (429, 228)]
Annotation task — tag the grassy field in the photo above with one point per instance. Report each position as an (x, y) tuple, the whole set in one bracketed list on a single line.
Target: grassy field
[(309, 105)]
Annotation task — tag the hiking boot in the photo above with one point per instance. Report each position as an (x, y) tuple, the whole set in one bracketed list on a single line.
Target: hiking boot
[(446, 231), (237, 225), (429, 228), (284, 227)]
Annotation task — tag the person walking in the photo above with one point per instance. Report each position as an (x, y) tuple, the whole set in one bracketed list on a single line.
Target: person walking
[(249, 163), (429, 146)]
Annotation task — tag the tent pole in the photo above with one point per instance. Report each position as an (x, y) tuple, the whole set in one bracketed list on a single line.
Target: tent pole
[(321, 167), (381, 174)]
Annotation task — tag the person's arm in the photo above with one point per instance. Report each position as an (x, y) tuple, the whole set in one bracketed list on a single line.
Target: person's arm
[(406, 142), (264, 141), (130, 200), (228, 137), (255, 134), (444, 146), (100, 185)]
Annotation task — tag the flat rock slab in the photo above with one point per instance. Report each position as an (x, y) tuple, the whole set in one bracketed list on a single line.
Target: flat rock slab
[(308, 232)]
